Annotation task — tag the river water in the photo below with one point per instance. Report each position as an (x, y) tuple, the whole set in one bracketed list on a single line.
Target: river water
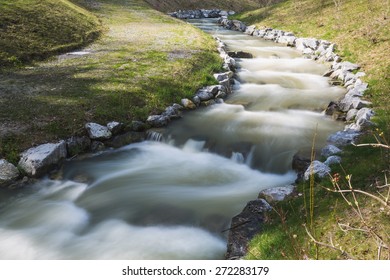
[(172, 199)]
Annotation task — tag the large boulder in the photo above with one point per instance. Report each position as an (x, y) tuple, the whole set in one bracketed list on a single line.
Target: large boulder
[(245, 226), (36, 161), (8, 172)]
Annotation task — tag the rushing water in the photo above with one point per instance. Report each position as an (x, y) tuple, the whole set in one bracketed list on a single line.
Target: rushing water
[(172, 199)]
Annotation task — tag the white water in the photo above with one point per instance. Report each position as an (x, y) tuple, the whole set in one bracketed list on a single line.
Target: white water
[(156, 200)]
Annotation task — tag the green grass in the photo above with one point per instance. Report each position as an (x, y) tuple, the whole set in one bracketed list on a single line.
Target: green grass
[(143, 62), (32, 29), (233, 5), (361, 31)]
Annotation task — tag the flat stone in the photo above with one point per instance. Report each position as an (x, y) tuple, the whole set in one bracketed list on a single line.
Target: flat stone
[(277, 193)]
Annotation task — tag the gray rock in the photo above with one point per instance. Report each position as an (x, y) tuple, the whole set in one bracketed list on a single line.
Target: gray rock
[(36, 161), (97, 146), (277, 193), (238, 26), (173, 112), (196, 100), (330, 150), (97, 131), (250, 29), (240, 54), (125, 139), (318, 169), (364, 113), (342, 138), (351, 114), (245, 226), (138, 126), (188, 104), (77, 145), (287, 40), (204, 94), (157, 120), (223, 76), (332, 160), (348, 66), (115, 127), (8, 173)]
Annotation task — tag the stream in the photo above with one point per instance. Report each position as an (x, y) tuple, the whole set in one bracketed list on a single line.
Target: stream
[(173, 198)]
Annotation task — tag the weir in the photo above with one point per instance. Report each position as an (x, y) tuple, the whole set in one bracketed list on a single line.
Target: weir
[(171, 197)]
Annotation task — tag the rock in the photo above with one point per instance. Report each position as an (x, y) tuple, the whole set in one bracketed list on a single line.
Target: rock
[(77, 145), (299, 165), (97, 131), (173, 112), (97, 146), (334, 111), (8, 173), (125, 139), (332, 160), (330, 150), (287, 40), (342, 138), (157, 120), (238, 25), (240, 54), (196, 100), (36, 161), (317, 168), (115, 127), (250, 29), (245, 226), (138, 126), (348, 66), (277, 193), (188, 104), (223, 76), (351, 115), (348, 103), (364, 113)]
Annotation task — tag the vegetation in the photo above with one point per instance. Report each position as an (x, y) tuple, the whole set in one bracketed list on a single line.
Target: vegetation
[(32, 29), (361, 30), (144, 61), (234, 5)]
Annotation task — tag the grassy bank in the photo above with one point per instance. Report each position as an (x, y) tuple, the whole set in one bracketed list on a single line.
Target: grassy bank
[(32, 29), (361, 31), (143, 62), (237, 6)]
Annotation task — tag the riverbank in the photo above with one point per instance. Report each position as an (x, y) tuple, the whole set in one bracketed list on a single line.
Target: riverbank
[(359, 229), (142, 63)]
